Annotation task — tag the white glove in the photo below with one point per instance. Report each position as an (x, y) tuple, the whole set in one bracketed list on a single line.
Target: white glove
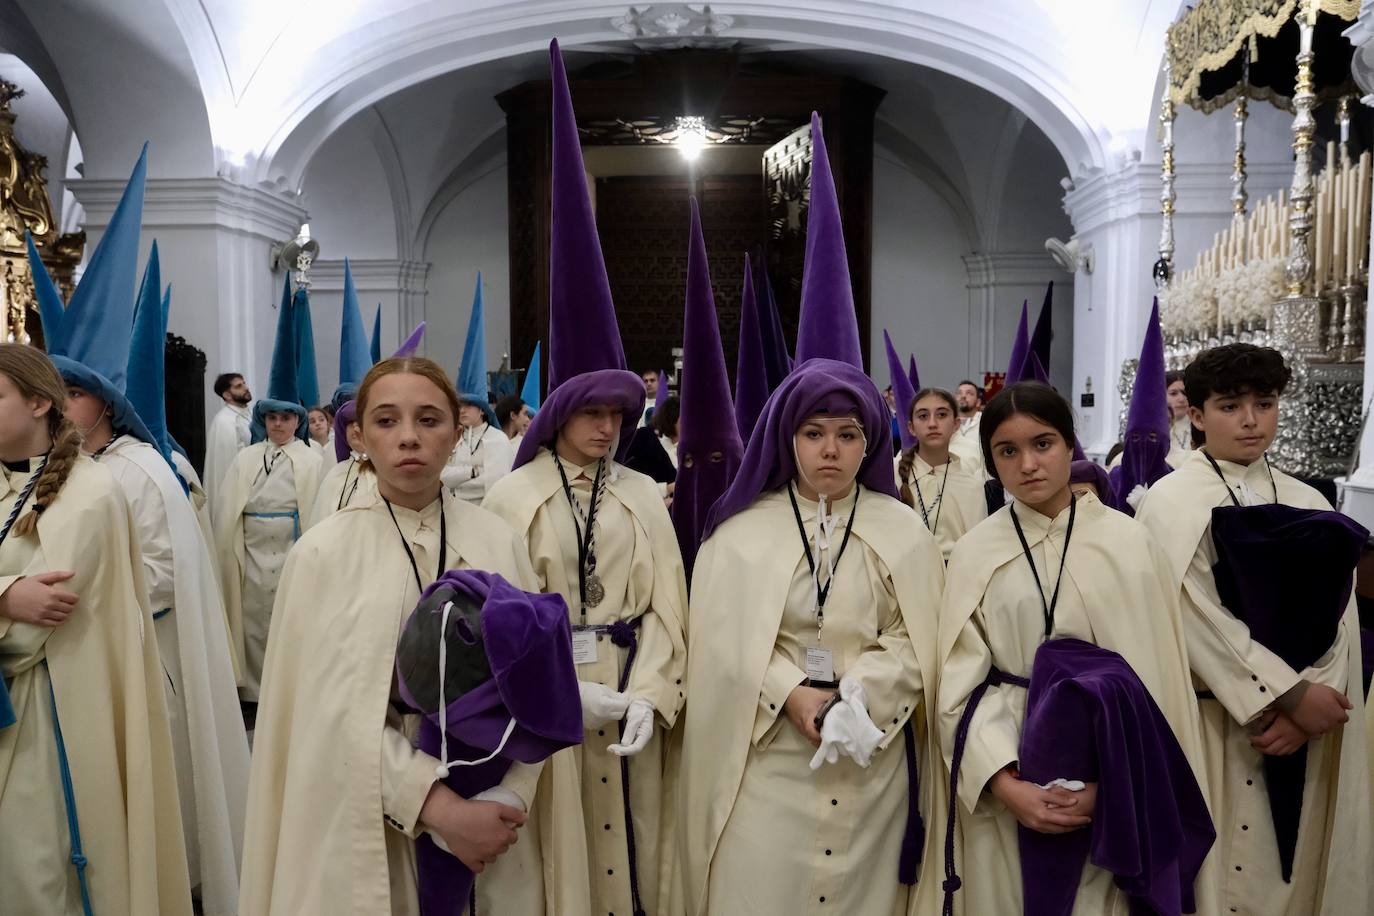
[(1136, 496), (639, 728), (502, 796), (601, 704), (847, 730)]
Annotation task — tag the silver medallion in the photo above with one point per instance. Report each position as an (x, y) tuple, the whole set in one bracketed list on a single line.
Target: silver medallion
[(596, 592)]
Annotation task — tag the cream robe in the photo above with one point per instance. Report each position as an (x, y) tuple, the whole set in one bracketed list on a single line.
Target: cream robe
[(641, 569), (1115, 594), (1333, 867), (337, 786), (759, 831), (208, 738), (966, 444), (953, 499), (489, 452), (252, 548), (100, 669), (347, 483), (230, 433)]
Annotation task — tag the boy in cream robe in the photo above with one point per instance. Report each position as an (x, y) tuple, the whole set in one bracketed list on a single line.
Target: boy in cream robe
[(262, 512), (1248, 697)]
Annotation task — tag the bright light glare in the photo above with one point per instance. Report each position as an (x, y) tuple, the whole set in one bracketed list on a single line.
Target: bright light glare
[(691, 137)]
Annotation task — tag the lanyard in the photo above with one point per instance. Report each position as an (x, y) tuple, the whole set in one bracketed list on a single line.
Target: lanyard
[(1063, 558), (1235, 502), (586, 550), (467, 436), (346, 494), (822, 592), (23, 498), (939, 501), (266, 466), (410, 554)]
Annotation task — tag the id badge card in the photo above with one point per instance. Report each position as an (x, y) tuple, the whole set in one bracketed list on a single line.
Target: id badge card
[(820, 663), (584, 647)]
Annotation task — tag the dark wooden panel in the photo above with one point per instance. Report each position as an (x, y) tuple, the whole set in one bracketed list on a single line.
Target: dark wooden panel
[(644, 223), (706, 83)]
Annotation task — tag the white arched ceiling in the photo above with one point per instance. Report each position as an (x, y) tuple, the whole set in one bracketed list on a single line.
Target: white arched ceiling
[(127, 79), (278, 79)]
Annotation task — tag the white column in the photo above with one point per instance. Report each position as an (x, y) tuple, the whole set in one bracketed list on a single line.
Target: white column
[(215, 240)]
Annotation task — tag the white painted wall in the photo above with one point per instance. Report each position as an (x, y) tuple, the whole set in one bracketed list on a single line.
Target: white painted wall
[(470, 234), (920, 287)]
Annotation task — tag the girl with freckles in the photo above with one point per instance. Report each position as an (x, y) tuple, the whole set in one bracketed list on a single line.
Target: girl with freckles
[(1052, 576), (338, 792)]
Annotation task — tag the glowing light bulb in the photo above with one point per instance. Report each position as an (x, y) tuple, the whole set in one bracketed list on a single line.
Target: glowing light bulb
[(691, 137)]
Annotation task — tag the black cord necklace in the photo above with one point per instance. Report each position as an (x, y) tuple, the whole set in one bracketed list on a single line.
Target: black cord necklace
[(939, 499), (822, 592), (410, 554), (1049, 606), (589, 586), (1234, 501)]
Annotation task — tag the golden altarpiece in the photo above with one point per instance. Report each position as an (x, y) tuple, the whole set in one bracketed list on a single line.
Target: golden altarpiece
[(25, 205)]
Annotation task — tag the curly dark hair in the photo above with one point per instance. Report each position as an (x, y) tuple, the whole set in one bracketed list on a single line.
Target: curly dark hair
[(1235, 369)]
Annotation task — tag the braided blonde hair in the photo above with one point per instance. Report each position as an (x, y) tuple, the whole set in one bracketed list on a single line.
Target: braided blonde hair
[(36, 377)]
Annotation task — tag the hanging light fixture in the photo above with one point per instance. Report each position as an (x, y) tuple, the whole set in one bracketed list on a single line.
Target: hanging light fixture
[(691, 136)]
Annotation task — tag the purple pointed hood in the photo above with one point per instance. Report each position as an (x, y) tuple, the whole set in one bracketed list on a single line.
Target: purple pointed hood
[(777, 361), (1043, 334), (912, 372), (815, 386), (1020, 346), (902, 392), (751, 373), (709, 448), (586, 358), (1147, 421), (411, 343), (661, 389), (828, 326)]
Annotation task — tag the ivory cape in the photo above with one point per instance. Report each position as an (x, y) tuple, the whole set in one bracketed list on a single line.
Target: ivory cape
[(1116, 594), (337, 786), (235, 492), (490, 452), (581, 792), (745, 571), (967, 445), (106, 683), (954, 499), (1333, 868), (229, 434), (207, 724), (347, 483)]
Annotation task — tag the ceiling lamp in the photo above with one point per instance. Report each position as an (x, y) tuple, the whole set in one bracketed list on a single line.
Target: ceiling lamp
[(691, 137)]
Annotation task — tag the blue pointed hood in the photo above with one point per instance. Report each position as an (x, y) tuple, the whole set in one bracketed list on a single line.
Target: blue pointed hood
[(354, 356), (147, 386), (100, 317), (51, 308), (307, 372), (472, 372), (283, 379), (377, 336), (89, 343), (530, 393)]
